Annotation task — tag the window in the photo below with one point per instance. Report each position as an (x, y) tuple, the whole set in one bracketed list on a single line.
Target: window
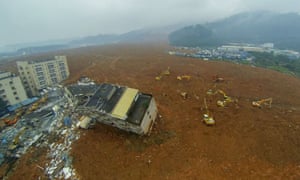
[(42, 83), (62, 68), (15, 93), (38, 69), (41, 78), (2, 91), (13, 88), (40, 73), (51, 66), (63, 74), (52, 71), (17, 98), (54, 80), (10, 82), (4, 96)]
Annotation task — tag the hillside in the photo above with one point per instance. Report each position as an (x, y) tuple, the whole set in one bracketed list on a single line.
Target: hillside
[(254, 27), (246, 143)]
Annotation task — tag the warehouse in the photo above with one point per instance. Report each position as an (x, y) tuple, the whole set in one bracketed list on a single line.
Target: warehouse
[(122, 107)]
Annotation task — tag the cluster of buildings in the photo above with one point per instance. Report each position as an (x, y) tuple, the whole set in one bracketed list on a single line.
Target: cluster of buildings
[(233, 51), (33, 77), (118, 106), (41, 109)]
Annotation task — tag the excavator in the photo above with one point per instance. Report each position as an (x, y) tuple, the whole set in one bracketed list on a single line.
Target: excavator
[(226, 99), (15, 119), (16, 139), (263, 102), (186, 77), (163, 73), (35, 105), (207, 117)]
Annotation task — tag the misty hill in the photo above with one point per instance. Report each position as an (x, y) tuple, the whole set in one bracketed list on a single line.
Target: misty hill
[(256, 27), (136, 36)]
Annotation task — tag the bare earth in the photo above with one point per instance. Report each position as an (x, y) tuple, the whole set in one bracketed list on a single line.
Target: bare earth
[(246, 143)]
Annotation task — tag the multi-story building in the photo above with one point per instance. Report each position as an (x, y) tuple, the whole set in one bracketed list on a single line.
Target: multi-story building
[(11, 88), (39, 74)]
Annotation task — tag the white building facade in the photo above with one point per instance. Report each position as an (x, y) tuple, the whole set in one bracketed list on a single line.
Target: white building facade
[(37, 75), (11, 88)]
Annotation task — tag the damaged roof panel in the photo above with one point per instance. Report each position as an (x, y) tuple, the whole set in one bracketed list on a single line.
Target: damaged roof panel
[(122, 107)]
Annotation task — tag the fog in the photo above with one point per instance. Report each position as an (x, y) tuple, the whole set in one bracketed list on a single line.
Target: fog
[(35, 20)]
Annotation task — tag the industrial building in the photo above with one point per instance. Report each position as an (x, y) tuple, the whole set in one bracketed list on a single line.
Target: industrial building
[(11, 88), (122, 107), (39, 74)]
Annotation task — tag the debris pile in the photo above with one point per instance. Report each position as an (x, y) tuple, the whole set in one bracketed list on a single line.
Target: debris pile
[(60, 166), (36, 128)]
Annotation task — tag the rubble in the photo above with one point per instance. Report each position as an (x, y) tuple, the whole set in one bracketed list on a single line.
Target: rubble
[(36, 128)]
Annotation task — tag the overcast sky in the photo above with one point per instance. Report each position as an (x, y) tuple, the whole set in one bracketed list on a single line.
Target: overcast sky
[(39, 20)]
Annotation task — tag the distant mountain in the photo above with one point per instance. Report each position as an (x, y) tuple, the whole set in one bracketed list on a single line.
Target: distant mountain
[(255, 27), (136, 36), (142, 35)]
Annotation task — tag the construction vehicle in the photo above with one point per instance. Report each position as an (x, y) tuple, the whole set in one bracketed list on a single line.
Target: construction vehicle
[(186, 77), (263, 102), (11, 122), (226, 99), (207, 117), (16, 140), (19, 113), (163, 73), (218, 79), (184, 95), (35, 105)]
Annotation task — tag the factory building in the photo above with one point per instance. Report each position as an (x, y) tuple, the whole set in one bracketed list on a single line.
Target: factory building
[(122, 107)]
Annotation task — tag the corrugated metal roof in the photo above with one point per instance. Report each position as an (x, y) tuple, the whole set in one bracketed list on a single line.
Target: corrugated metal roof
[(122, 107)]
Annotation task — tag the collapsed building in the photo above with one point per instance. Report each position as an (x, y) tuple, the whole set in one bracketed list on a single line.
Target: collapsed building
[(122, 107)]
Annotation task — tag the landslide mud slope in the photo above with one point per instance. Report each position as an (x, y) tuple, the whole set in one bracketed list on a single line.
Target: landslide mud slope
[(247, 142)]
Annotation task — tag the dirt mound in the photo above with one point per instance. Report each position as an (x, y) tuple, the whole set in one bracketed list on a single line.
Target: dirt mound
[(247, 142)]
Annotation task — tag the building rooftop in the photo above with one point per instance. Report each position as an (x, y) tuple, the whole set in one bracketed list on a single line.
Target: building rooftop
[(123, 105), (117, 101), (78, 90), (139, 108)]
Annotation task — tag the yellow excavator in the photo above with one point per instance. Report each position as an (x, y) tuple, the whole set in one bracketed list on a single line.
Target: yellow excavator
[(263, 102), (163, 73), (35, 105), (16, 139), (186, 77), (226, 99), (207, 116)]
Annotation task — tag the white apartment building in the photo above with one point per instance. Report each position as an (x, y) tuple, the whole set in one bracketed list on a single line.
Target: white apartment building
[(11, 88), (39, 74)]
